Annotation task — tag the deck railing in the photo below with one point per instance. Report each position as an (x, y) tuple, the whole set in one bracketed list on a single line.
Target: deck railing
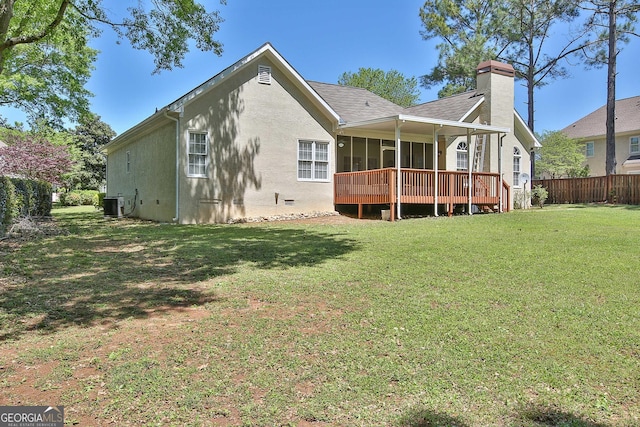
[(417, 187)]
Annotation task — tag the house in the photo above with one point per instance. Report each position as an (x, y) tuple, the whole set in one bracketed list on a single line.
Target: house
[(257, 139), (591, 131)]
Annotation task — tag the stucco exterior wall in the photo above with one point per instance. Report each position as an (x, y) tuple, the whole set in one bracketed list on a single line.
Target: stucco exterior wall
[(597, 163), (253, 131), (148, 187)]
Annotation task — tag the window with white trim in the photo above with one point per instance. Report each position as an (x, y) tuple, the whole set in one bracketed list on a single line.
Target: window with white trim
[(517, 157), (589, 149), (462, 158), (313, 160), (634, 145), (198, 150)]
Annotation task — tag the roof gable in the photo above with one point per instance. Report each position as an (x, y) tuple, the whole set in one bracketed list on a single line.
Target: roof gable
[(595, 123)]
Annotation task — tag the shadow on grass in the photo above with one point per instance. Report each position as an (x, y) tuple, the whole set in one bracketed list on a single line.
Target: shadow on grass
[(109, 270), (427, 418), (542, 416)]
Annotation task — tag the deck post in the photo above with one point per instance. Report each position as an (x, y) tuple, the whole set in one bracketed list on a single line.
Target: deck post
[(469, 169), (500, 138), (398, 167), (435, 171)]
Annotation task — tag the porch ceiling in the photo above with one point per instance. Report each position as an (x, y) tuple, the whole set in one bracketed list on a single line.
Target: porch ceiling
[(423, 125)]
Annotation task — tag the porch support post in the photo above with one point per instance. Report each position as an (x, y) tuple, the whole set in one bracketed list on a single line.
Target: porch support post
[(435, 171), (470, 170), (398, 166), (500, 199)]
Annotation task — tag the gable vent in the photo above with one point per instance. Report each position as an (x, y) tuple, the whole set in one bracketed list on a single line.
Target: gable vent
[(264, 74)]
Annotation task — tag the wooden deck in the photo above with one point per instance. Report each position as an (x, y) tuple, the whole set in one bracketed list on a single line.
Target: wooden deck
[(379, 187)]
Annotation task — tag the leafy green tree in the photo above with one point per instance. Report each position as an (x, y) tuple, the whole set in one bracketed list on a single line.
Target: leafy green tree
[(45, 60), (469, 32), (512, 31), (89, 137), (529, 26), (391, 85), (561, 156), (611, 22)]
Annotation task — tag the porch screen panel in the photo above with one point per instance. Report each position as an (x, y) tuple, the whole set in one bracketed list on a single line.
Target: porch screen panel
[(406, 154), (373, 153), (417, 153), (344, 153), (359, 154)]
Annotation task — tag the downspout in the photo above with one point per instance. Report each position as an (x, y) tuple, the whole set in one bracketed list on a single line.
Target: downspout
[(500, 172), (177, 120), (399, 173), (470, 163), (435, 172)]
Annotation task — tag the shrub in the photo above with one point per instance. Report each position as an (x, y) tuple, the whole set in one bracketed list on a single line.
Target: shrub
[(539, 195), (80, 198)]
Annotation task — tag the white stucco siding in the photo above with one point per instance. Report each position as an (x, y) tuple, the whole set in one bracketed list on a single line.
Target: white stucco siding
[(253, 131), (148, 187)]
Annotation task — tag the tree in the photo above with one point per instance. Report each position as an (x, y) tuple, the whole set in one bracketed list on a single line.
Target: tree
[(561, 156), (529, 26), (612, 22), (512, 31), (32, 157), (45, 60), (89, 138), (391, 85), (470, 34)]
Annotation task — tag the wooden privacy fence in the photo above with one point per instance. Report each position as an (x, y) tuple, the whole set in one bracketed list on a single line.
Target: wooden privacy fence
[(623, 189)]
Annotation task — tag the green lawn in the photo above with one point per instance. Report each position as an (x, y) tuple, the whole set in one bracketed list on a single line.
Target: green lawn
[(530, 318)]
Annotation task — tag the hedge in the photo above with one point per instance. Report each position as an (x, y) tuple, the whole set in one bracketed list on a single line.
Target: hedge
[(22, 197), (80, 198)]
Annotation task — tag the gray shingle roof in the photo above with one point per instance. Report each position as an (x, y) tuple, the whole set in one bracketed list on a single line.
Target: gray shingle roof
[(450, 108), (355, 104), (595, 124)]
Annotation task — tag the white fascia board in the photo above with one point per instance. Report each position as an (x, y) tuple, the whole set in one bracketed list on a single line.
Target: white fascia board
[(303, 83), (267, 48), (474, 127), (185, 99), (476, 105), (147, 124), (520, 121)]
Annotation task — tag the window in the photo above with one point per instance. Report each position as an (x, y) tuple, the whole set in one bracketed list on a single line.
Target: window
[(589, 149), (517, 157), (128, 161), (313, 160), (634, 147), (197, 154), (462, 159)]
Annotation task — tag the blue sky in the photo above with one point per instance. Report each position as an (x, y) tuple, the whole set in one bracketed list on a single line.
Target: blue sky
[(321, 40)]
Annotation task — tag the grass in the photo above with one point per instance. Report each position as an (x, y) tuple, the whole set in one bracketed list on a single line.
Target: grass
[(523, 319)]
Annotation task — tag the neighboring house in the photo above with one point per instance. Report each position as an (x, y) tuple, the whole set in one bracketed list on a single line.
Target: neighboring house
[(591, 131), (258, 140)]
